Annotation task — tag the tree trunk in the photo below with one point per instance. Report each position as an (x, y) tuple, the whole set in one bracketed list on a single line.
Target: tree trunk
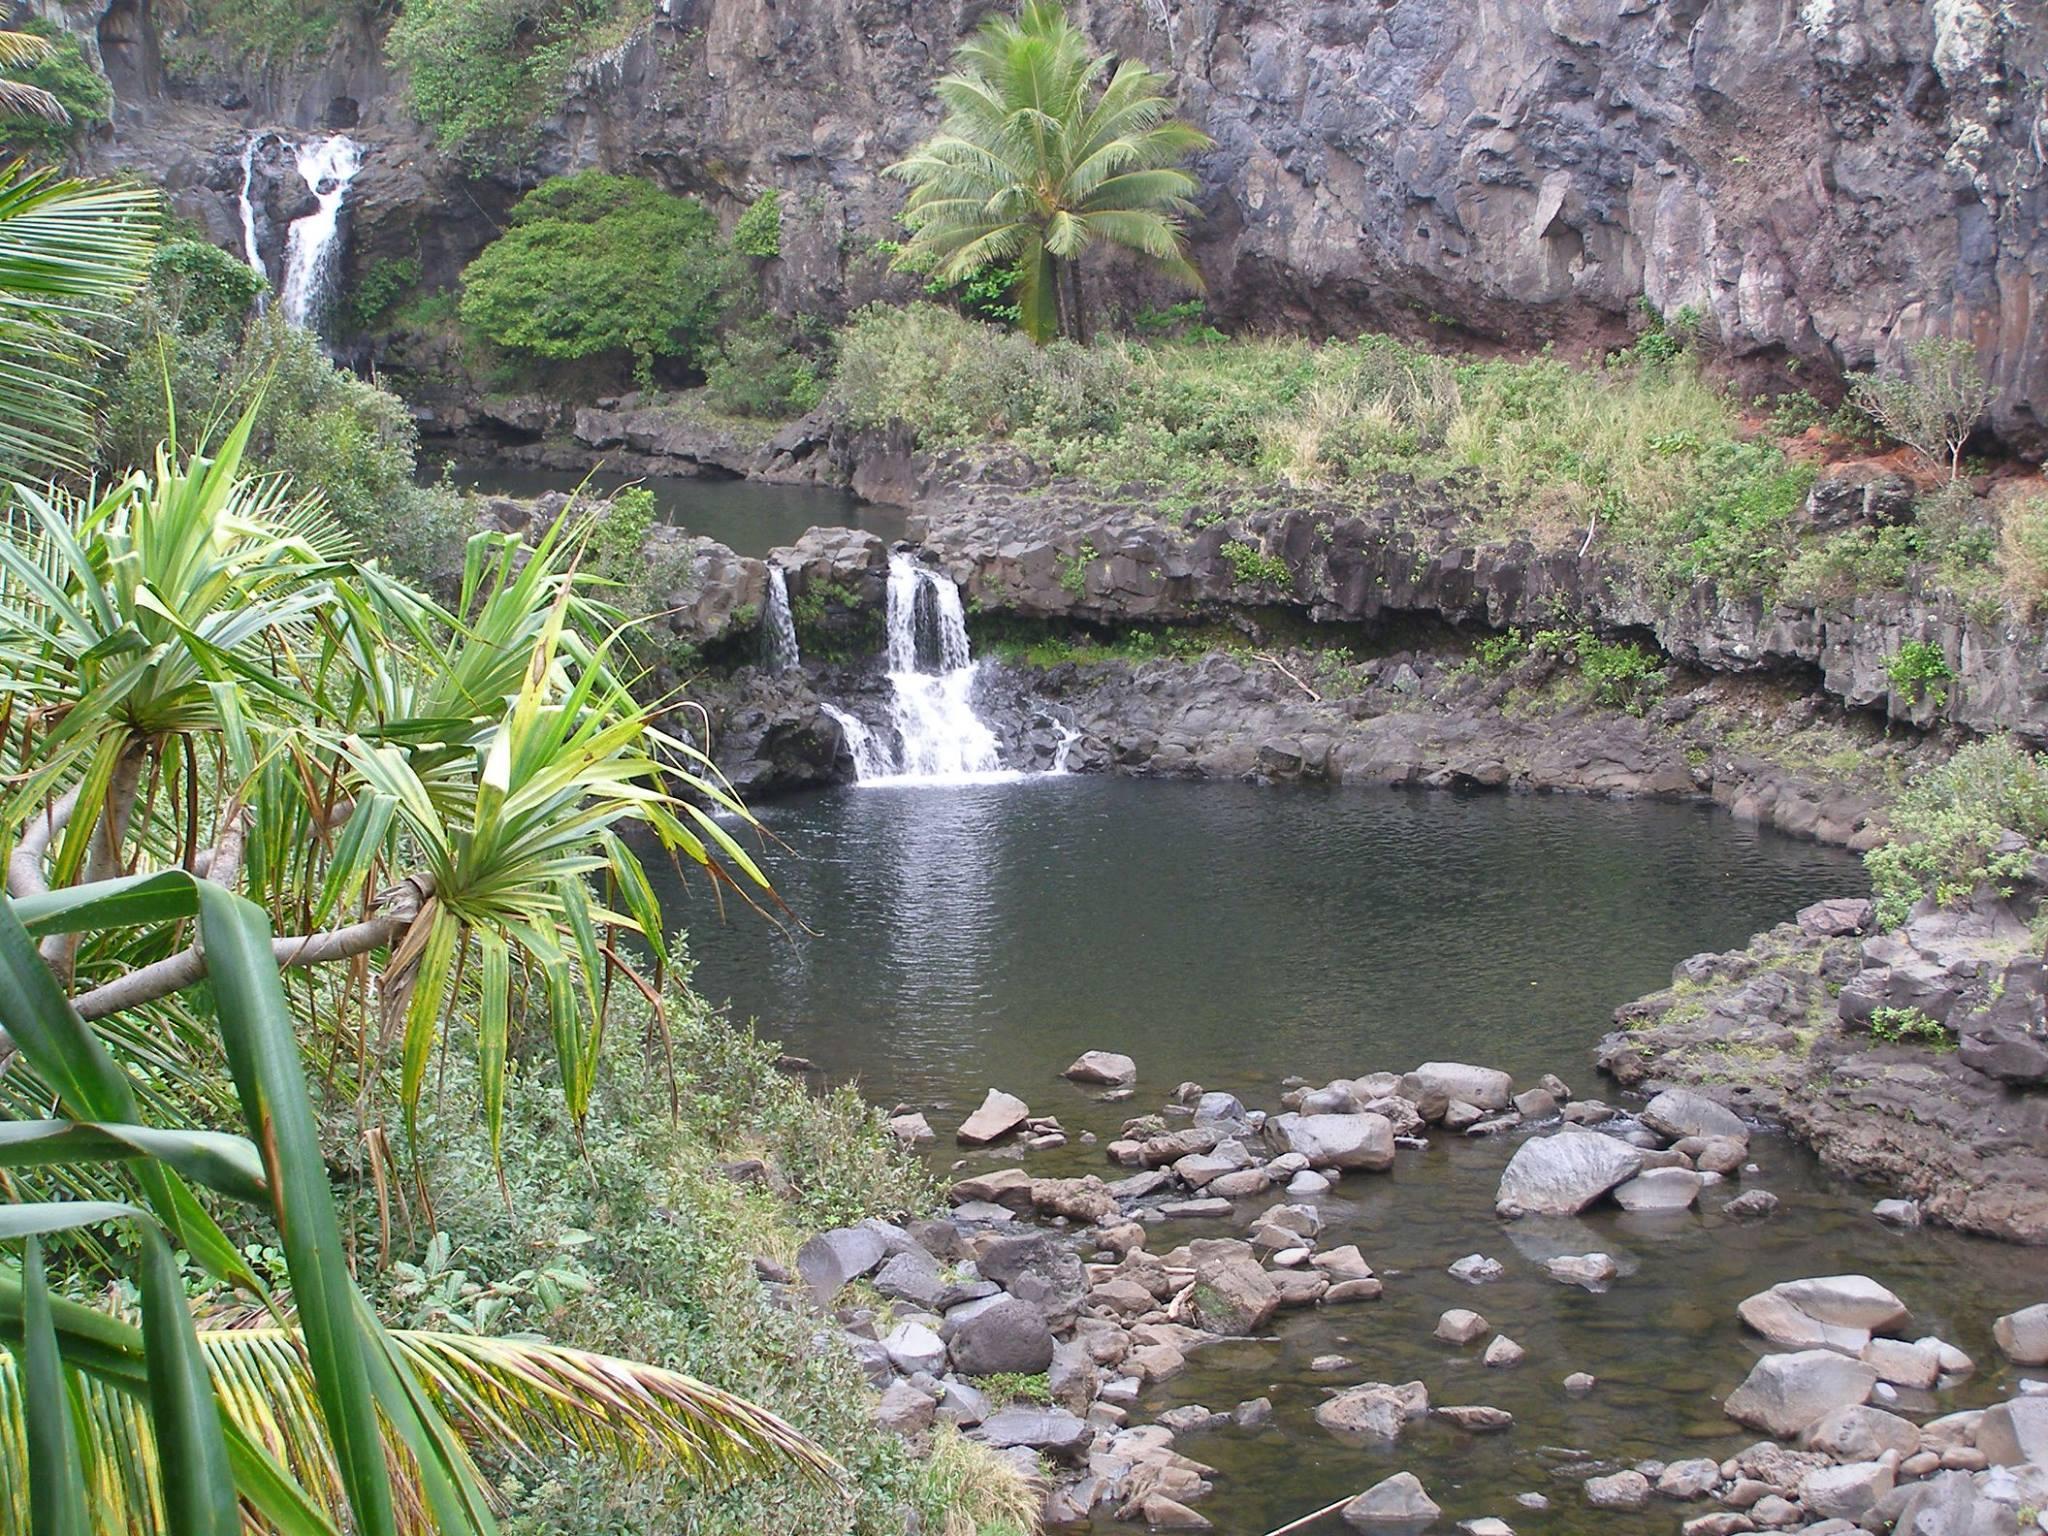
[(1077, 310)]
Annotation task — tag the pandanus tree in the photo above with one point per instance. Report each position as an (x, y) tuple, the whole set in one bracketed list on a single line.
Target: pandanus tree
[(1038, 159), (229, 754)]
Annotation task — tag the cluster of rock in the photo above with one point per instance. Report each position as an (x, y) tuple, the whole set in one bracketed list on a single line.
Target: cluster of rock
[(1844, 1456), (1802, 1027), (1680, 1144)]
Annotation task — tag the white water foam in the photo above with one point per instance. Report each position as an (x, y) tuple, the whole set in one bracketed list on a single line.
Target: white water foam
[(328, 166), (778, 627)]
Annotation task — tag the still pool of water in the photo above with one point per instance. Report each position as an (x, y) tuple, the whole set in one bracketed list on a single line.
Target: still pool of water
[(977, 936), (750, 517)]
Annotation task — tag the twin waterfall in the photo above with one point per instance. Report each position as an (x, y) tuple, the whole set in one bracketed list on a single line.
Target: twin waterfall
[(934, 735), (305, 291)]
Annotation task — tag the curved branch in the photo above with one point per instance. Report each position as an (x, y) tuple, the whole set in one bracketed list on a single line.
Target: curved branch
[(397, 907), (25, 875)]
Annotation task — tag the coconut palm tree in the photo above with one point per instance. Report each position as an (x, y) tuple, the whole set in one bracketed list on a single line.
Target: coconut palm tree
[(216, 724), (20, 50), (1037, 160)]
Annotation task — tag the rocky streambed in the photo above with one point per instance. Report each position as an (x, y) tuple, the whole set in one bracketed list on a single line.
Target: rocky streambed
[(1058, 1317)]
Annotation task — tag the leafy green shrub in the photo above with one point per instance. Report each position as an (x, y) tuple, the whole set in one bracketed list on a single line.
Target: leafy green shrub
[(1854, 560), (1920, 670), (1933, 404), (264, 30), (1737, 531), (756, 372), (378, 291), (1909, 1026), (204, 286), (66, 74), (1946, 828), (1006, 1387), (481, 72), (1074, 568), (1622, 673), (1496, 653), (759, 231), (1253, 567), (594, 265), (618, 531)]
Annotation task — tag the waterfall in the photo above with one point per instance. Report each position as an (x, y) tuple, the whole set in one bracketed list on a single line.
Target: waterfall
[(328, 166), (778, 628), (1063, 752), (869, 761), (252, 250)]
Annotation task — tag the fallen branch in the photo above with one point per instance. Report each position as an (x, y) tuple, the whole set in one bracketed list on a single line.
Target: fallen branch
[(1310, 1519), (1285, 671), (398, 906)]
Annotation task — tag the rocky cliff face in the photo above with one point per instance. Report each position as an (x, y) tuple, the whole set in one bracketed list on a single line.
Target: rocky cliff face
[(1821, 180)]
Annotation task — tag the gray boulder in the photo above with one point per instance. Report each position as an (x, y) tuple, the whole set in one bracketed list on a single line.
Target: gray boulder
[(1040, 1270), (1358, 1141), (1482, 1087), (2014, 1433), (1397, 1503), (1000, 1114), (2023, 1335), (1052, 1431), (1784, 1395), (1562, 1174), (1007, 1335), (1679, 1112), (912, 1276), (828, 1261), (1659, 1189), (905, 1409), (1105, 1068), (1374, 1408), (1846, 1301)]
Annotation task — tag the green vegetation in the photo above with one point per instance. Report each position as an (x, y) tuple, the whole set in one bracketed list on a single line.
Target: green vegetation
[(188, 346), (378, 291), (757, 372), (1074, 568), (758, 235), (1933, 403), (2023, 555), (1038, 158), (1013, 1387), (1982, 815), (594, 266), (1621, 673), (65, 248), (44, 69), (1909, 1026), (1496, 653), (1251, 566), (1920, 670), (261, 30), (482, 72), (207, 683), (1642, 456)]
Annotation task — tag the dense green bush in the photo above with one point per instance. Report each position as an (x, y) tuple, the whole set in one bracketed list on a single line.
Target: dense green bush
[(68, 75), (378, 291), (633, 1238), (186, 343), (759, 231), (1947, 826), (482, 72), (203, 286), (757, 372), (599, 266)]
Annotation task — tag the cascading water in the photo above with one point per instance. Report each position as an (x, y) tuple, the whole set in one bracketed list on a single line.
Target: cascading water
[(869, 761), (252, 250), (328, 167), (932, 675), (778, 627)]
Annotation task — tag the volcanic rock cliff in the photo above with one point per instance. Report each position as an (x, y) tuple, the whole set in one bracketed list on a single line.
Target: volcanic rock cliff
[(1822, 181)]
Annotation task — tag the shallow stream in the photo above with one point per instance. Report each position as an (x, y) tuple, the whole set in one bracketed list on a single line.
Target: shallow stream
[(971, 936)]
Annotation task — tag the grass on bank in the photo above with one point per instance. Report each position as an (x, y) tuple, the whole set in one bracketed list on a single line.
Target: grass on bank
[(1638, 452), (640, 1242)]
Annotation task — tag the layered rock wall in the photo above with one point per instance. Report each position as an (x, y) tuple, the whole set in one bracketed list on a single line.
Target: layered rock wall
[(1820, 181)]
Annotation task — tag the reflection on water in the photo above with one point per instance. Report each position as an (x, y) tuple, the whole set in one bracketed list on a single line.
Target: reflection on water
[(970, 937), (750, 517)]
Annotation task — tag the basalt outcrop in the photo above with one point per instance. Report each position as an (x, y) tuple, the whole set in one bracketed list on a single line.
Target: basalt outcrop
[(1936, 1098), (1820, 182)]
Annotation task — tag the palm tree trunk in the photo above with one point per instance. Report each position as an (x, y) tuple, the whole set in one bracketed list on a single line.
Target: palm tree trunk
[(1077, 313)]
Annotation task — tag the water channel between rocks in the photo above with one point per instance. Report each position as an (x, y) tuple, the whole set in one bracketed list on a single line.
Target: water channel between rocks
[(972, 936), (749, 517)]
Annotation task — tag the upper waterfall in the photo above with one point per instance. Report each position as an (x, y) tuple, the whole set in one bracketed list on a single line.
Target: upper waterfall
[(780, 652), (328, 167)]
